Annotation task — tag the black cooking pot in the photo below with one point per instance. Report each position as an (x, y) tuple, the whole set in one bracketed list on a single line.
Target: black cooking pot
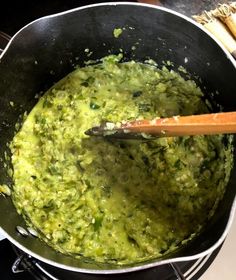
[(48, 49)]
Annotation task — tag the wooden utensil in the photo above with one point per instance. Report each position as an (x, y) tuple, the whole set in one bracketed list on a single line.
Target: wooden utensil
[(215, 123)]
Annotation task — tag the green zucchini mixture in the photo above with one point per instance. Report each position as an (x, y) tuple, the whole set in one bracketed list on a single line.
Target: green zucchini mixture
[(116, 201)]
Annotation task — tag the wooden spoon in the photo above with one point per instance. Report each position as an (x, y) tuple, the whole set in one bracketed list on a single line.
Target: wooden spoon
[(216, 123)]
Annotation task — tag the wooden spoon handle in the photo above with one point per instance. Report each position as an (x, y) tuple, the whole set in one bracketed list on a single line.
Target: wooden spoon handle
[(215, 123)]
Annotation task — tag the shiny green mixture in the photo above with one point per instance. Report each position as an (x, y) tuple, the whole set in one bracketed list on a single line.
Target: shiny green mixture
[(111, 201)]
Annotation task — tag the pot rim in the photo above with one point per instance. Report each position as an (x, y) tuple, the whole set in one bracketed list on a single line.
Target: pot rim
[(158, 262), (227, 53)]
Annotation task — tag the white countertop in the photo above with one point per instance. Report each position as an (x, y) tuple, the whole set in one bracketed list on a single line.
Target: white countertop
[(1, 235), (224, 265)]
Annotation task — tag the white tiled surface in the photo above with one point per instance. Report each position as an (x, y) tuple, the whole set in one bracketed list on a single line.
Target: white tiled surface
[(224, 266)]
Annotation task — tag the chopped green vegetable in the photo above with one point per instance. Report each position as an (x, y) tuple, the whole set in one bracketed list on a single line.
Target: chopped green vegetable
[(117, 32), (111, 201), (144, 107), (93, 105), (98, 223), (137, 94)]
